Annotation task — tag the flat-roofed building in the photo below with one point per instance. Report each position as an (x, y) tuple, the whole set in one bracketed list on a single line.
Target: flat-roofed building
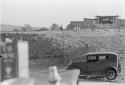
[(97, 22)]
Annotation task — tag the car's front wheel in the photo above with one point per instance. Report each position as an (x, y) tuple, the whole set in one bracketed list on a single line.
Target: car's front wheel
[(111, 74)]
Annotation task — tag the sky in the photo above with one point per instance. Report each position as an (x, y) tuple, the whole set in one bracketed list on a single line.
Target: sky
[(42, 13)]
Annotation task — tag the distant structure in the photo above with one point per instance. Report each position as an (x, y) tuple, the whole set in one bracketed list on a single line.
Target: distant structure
[(97, 22), (106, 19)]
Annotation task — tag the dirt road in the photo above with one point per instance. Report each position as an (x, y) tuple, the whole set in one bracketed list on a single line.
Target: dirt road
[(100, 82)]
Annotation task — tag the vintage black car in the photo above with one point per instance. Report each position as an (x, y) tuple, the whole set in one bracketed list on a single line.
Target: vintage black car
[(98, 64)]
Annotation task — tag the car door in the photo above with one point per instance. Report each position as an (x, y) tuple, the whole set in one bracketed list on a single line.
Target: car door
[(83, 67), (103, 62), (92, 63)]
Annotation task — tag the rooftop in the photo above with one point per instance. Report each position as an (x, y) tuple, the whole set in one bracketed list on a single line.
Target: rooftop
[(107, 16), (91, 53)]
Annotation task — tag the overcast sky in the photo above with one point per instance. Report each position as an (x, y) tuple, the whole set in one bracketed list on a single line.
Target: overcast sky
[(45, 12)]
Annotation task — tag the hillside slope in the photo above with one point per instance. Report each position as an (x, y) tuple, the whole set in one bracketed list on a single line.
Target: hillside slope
[(61, 46), (75, 44)]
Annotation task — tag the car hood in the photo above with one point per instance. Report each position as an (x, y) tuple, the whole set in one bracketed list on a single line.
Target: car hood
[(76, 62)]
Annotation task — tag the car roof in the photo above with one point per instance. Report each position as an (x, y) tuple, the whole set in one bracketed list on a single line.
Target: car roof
[(94, 53)]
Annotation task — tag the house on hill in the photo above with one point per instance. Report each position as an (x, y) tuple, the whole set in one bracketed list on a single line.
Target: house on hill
[(97, 22)]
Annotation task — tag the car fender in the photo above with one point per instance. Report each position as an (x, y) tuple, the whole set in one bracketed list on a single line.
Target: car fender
[(111, 68)]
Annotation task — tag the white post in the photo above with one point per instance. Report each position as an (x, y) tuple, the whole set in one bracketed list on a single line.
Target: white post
[(0, 67), (54, 77), (23, 59)]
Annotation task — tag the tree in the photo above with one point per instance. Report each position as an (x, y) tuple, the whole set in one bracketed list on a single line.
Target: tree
[(68, 27), (61, 28), (27, 27), (42, 29), (16, 30), (55, 27)]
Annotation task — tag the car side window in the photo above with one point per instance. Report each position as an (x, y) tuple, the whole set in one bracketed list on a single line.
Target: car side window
[(91, 58), (103, 57)]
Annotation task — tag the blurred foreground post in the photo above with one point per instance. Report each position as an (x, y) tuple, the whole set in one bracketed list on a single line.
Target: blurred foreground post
[(16, 71), (14, 59), (23, 59), (54, 77), (9, 60), (18, 81)]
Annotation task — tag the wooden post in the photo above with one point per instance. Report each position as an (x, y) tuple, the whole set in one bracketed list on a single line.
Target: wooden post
[(54, 77)]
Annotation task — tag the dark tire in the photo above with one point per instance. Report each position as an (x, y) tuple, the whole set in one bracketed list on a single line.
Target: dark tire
[(111, 74)]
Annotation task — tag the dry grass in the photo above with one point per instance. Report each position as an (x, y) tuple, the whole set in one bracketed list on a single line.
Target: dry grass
[(56, 47)]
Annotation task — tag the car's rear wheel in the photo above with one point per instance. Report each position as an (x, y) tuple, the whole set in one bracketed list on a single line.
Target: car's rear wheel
[(111, 74)]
